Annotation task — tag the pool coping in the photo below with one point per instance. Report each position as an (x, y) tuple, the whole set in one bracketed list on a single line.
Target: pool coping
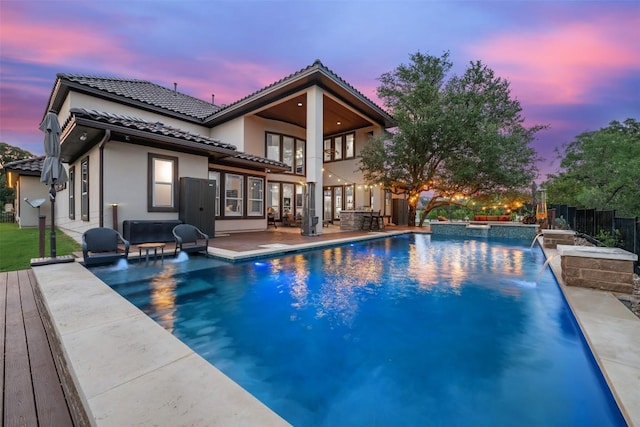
[(612, 332), (116, 354)]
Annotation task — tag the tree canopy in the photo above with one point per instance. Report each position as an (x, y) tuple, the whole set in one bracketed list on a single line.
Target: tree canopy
[(455, 137), (601, 170)]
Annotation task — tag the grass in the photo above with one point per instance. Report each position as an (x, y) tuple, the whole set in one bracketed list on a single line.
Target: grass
[(19, 245)]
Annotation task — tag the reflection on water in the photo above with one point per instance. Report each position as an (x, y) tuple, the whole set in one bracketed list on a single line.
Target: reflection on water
[(163, 296), (411, 330)]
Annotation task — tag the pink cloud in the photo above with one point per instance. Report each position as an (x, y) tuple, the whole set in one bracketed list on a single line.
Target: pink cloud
[(562, 64), (47, 42)]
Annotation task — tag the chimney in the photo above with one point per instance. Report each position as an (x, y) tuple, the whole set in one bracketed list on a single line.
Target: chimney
[(175, 88), (213, 97)]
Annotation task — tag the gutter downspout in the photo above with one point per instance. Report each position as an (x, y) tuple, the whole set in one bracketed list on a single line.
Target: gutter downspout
[(101, 144)]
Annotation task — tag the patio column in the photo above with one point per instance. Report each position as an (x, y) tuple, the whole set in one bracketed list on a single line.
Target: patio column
[(314, 146)]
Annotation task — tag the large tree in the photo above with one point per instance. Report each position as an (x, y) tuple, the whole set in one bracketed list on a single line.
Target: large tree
[(455, 137), (601, 169)]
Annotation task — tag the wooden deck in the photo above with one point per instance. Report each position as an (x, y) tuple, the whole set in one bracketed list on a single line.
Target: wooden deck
[(32, 392)]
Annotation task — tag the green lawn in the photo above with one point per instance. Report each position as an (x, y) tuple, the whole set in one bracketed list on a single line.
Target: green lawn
[(19, 245)]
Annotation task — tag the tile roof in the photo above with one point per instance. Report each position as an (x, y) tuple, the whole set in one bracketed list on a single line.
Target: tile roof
[(31, 166), (144, 125), (161, 129), (316, 64), (147, 93), (268, 162)]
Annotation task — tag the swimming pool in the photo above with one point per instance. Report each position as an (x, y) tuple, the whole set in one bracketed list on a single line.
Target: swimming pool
[(410, 330)]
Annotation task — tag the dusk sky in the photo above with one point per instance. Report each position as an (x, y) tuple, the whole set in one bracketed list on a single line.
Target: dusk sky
[(574, 65)]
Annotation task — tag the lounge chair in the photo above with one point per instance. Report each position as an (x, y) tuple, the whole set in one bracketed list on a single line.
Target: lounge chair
[(190, 239), (103, 246)]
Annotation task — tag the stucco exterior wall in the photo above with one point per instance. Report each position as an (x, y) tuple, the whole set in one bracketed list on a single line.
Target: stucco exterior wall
[(33, 189), (231, 132), (126, 172)]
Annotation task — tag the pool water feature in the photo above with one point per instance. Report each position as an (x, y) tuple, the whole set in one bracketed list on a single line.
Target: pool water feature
[(409, 330)]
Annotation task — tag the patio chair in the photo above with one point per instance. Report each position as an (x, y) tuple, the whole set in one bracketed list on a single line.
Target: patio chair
[(103, 246), (190, 239)]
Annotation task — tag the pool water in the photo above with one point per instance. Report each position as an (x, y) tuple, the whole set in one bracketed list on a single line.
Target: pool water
[(414, 330)]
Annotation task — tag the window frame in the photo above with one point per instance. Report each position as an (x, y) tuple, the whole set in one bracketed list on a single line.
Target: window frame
[(330, 143), (250, 200), (296, 144), (84, 189), (151, 183), (240, 199), (72, 192)]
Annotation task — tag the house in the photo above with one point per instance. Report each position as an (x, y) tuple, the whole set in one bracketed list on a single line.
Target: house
[(24, 177), (127, 143)]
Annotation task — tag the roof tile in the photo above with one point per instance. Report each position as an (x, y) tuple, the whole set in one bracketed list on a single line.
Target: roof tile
[(146, 92)]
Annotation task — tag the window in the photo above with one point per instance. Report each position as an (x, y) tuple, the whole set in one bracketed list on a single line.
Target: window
[(339, 147), (255, 196), (349, 146), (216, 176), (299, 197), (84, 189), (233, 195), (300, 154), (162, 184), (273, 146), (288, 150), (287, 198), (349, 196), (328, 150), (72, 192), (274, 198)]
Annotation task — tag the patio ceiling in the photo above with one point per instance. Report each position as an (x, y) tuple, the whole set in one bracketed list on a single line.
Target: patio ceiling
[(337, 118)]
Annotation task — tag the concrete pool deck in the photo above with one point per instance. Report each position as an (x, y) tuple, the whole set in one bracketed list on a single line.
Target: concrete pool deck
[(130, 371)]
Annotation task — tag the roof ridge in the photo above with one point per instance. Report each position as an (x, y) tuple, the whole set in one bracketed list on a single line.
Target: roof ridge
[(147, 92), (316, 64)]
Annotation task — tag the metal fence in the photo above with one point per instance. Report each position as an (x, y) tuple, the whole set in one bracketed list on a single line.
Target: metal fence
[(7, 217), (593, 222)]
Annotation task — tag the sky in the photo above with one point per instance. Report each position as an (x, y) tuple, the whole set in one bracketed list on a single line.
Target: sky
[(573, 65)]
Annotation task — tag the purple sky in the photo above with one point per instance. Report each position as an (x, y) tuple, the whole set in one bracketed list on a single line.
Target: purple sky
[(574, 65)]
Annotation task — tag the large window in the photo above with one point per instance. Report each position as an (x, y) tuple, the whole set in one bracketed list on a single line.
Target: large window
[(162, 184), (243, 196), (233, 194), (255, 196), (288, 150), (72, 192), (285, 198), (339, 147), (84, 188)]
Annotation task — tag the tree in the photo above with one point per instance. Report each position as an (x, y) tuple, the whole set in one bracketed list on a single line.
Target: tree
[(456, 138), (601, 170), (9, 153)]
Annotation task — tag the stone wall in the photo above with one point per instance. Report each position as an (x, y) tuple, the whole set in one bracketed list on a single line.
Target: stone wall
[(553, 238), (608, 269), (499, 230)]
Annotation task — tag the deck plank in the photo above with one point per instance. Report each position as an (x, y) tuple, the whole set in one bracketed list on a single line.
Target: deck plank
[(19, 404), (51, 405), (3, 305)]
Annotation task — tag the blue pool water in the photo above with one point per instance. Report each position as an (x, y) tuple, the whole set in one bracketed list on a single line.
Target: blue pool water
[(414, 330)]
